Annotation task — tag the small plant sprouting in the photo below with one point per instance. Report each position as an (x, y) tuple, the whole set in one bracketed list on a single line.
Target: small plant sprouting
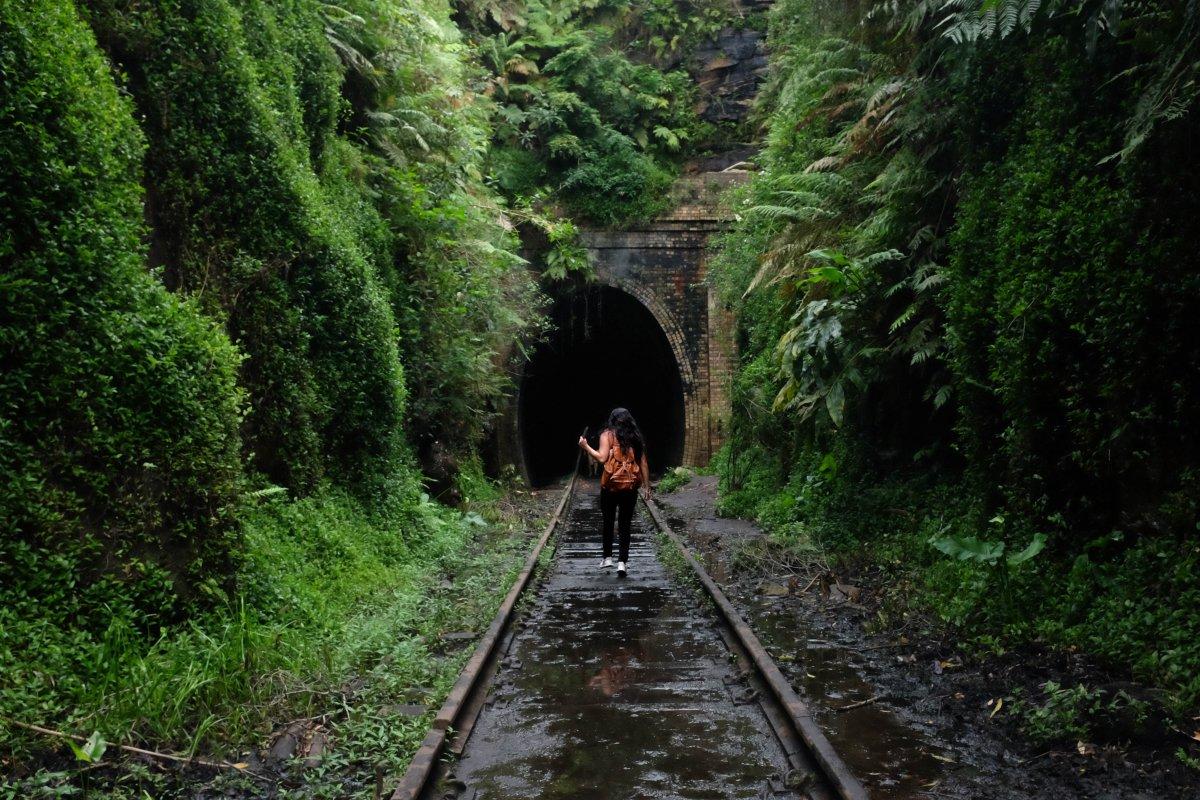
[(90, 751)]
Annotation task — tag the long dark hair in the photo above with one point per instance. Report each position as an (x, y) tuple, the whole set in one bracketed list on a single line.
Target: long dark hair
[(626, 429)]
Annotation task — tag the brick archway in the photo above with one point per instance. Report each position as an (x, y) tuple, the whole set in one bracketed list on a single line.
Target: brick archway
[(662, 265), (694, 411)]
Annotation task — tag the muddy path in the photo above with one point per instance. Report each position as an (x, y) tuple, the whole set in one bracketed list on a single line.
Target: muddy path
[(912, 715), (617, 688)]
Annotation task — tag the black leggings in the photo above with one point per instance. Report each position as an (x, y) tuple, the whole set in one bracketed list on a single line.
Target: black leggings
[(612, 501)]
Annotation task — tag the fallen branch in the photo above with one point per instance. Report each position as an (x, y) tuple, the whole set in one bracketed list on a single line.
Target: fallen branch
[(1031, 759), (143, 752), (860, 703), (816, 578)]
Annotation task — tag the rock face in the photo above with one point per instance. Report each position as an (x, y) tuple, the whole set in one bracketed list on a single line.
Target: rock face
[(728, 71)]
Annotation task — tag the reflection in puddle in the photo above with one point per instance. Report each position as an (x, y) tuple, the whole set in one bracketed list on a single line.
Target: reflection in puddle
[(615, 675)]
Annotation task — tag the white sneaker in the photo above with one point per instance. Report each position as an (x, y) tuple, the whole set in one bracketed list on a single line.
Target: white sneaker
[(606, 563), (621, 569)]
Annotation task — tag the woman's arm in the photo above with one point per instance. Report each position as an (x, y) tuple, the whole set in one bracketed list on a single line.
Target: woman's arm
[(645, 475), (600, 455)]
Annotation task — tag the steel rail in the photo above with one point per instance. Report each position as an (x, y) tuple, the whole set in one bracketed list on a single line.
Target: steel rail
[(457, 711), (835, 770)]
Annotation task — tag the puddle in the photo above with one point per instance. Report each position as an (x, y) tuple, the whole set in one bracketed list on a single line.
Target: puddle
[(879, 748), (618, 688), (891, 757)]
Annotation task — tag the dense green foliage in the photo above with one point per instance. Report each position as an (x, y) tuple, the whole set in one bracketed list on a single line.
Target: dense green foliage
[(592, 105), (311, 247), (227, 230), (336, 607), (260, 292), (261, 272), (964, 275), (245, 224), (119, 406)]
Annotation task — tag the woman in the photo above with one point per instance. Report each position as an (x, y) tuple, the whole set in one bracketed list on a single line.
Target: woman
[(623, 453)]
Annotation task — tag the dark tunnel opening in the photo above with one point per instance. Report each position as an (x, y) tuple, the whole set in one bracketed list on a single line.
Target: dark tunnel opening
[(605, 350)]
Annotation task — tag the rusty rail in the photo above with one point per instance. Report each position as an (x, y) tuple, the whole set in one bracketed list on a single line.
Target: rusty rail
[(798, 714), (457, 709)]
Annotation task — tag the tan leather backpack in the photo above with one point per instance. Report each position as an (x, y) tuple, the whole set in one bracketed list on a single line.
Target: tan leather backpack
[(621, 470)]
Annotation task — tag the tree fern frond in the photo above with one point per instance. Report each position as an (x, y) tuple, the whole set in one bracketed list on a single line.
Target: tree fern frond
[(799, 213)]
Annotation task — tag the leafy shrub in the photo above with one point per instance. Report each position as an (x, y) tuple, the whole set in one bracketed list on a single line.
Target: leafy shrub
[(614, 183), (1134, 605), (1073, 714), (461, 298), (963, 294), (243, 219), (579, 117), (119, 451), (675, 479)]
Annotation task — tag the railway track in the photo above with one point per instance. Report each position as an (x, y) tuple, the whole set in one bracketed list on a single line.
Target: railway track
[(611, 688)]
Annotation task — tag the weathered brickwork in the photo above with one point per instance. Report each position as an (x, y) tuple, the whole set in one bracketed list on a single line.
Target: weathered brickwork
[(663, 263)]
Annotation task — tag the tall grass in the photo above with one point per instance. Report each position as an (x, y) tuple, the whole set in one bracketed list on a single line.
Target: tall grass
[(327, 591)]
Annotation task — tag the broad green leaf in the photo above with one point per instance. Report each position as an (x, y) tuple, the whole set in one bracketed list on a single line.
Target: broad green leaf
[(968, 548), (1032, 549), (90, 751), (835, 402)]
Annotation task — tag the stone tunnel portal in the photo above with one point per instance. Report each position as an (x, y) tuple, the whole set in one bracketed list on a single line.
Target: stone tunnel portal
[(606, 350)]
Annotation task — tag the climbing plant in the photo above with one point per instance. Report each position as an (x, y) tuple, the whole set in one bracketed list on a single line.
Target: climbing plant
[(119, 402), (251, 271)]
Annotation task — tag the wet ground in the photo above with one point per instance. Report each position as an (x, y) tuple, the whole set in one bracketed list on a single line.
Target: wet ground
[(618, 688), (910, 717)]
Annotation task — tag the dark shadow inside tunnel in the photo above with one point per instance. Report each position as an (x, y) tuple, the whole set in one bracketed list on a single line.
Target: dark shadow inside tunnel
[(605, 350)]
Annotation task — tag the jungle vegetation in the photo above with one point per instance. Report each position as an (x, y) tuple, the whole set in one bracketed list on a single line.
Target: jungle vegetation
[(265, 266), (252, 274), (965, 276), (263, 280), (591, 102)]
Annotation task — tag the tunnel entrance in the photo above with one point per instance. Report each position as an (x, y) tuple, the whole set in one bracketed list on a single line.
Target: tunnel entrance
[(606, 350)]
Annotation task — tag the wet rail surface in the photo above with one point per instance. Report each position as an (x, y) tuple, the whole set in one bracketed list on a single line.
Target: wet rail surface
[(620, 688)]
